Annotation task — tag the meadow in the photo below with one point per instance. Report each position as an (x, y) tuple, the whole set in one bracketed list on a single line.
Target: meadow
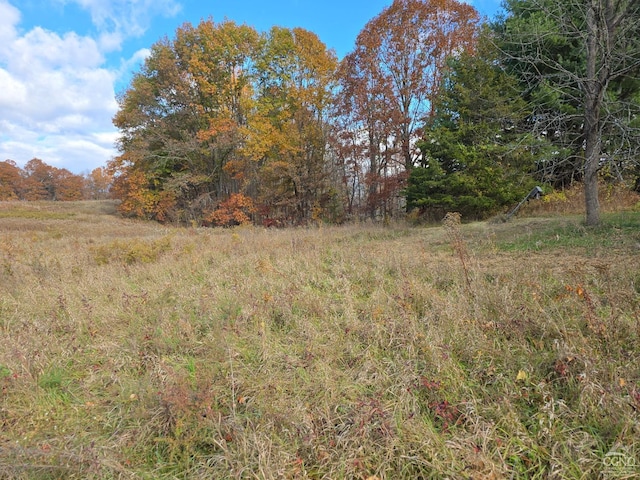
[(489, 350)]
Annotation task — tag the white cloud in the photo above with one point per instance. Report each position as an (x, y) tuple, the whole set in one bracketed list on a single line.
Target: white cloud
[(9, 18), (56, 96), (77, 153), (131, 65), (43, 49), (12, 91), (117, 20), (110, 41), (53, 77)]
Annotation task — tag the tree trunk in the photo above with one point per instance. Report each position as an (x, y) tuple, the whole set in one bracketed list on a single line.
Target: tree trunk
[(372, 196), (592, 104), (592, 160)]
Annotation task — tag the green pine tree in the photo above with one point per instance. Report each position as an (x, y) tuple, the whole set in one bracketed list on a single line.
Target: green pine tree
[(478, 153)]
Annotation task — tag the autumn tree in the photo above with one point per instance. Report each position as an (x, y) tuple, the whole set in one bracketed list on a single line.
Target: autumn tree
[(68, 186), (236, 210), (38, 182), (387, 86), (98, 184), (220, 59), (10, 181), (364, 131), (179, 121), (287, 135), (580, 61), (222, 117)]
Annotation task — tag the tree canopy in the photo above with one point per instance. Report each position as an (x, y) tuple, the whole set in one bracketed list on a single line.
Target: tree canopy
[(432, 110), (39, 181), (388, 85), (223, 122)]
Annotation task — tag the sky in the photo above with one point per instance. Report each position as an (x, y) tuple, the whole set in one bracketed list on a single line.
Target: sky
[(63, 62)]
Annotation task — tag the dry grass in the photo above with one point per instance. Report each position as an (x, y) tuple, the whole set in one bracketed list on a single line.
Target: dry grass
[(613, 197), (131, 350)]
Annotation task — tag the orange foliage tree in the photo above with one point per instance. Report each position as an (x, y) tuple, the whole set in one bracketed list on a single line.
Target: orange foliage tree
[(10, 181), (236, 210), (222, 113), (39, 181), (98, 184), (287, 133), (68, 186), (180, 120)]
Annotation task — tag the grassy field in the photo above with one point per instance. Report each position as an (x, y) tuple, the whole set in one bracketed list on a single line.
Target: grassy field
[(475, 351)]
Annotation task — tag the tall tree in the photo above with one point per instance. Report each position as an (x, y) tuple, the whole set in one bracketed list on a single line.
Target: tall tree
[(478, 155), (220, 59), (580, 60), (10, 181), (179, 121), (98, 184), (390, 79), (287, 136), (38, 181), (223, 123), (68, 186)]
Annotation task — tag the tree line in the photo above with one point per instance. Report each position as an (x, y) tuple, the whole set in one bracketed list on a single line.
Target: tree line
[(39, 181), (434, 110)]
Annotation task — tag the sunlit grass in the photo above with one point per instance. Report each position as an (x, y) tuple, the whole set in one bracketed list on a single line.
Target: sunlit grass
[(617, 231)]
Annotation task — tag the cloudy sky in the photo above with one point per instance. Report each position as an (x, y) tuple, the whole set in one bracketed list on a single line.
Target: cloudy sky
[(62, 62)]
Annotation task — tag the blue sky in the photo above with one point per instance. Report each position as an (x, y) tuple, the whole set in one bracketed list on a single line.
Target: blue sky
[(62, 62)]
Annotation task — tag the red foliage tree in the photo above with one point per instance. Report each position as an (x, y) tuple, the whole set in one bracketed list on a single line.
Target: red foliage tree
[(236, 210)]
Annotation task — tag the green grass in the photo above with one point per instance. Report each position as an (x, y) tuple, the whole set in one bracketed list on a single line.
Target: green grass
[(619, 230), (484, 351)]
